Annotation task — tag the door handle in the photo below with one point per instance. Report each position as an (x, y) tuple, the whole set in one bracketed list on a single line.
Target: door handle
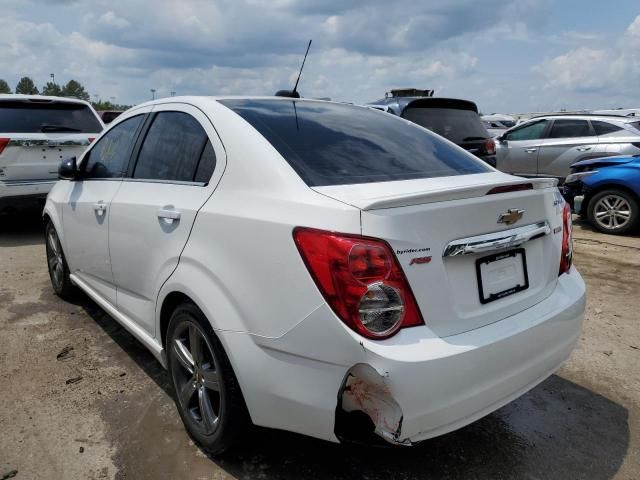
[(583, 149), (169, 215), (100, 207), (530, 150)]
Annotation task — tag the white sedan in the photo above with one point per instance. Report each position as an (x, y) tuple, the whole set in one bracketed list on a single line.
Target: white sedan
[(317, 267)]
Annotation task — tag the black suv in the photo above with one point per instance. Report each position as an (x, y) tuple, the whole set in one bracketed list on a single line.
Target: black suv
[(454, 119)]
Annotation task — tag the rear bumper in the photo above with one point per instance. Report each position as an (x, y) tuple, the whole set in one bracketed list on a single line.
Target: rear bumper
[(15, 192), (413, 386)]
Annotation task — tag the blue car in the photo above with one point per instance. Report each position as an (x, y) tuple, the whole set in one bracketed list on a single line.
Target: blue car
[(607, 192)]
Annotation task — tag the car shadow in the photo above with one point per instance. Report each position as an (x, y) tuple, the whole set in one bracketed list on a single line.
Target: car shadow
[(21, 228), (584, 224), (558, 430)]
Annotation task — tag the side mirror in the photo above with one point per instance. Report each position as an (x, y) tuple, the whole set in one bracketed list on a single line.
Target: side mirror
[(501, 138), (68, 170)]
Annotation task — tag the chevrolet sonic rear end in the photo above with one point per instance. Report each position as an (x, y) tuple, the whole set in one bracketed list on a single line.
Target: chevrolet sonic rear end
[(317, 267)]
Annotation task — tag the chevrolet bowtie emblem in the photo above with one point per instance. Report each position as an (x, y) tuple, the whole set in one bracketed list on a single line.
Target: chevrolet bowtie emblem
[(511, 216)]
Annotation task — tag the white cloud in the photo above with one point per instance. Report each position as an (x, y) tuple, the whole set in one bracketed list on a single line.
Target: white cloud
[(612, 70)]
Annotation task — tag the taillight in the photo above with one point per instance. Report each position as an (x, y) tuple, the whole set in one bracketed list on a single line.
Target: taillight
[(91, 139), (566, 257), (361, 280), (3, 143), (490, 146)]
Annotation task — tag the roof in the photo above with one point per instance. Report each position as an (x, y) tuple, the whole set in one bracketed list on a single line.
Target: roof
[(587, 116), (18, 97)]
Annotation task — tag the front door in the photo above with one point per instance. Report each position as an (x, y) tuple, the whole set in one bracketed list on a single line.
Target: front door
[(518, 150), (87, 210), (154, 210)]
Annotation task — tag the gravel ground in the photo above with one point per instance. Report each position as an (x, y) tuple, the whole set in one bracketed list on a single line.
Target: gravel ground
[(81, 399)]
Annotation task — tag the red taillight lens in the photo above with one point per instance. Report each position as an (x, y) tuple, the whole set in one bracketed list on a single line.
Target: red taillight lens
[(91, 139), (361, 280), (566, 258), (3, 143), (490, 146)]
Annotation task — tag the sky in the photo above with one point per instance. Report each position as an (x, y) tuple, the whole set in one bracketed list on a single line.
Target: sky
[(506, 55)]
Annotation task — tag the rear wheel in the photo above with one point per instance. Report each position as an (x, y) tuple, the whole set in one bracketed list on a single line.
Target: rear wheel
[(207, 393), (57, 264), (613, 211)]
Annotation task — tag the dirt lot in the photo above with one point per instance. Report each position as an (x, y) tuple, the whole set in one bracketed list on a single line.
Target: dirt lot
[(104, 408)]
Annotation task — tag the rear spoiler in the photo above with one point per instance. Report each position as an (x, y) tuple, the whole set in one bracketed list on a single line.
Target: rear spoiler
[(441, 194)]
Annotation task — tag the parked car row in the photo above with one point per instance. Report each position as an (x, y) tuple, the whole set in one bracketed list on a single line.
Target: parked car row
[(36, 132)]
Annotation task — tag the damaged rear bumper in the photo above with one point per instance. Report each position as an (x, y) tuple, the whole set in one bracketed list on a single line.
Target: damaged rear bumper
[(411, 387)]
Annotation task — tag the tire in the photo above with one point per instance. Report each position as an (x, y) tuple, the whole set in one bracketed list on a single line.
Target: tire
[(57, 265), (613, 211), (207, 393)]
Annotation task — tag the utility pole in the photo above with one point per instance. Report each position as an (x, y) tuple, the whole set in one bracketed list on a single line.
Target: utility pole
[(153, 94), (53, 78)]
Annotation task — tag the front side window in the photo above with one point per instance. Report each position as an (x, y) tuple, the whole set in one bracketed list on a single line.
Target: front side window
[(570, 129), (172, 149), (109, 157), (335, 144), (532, 131)]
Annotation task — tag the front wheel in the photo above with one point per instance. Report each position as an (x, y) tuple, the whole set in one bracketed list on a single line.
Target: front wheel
[(57, 264), (207, 393), (613, 211)]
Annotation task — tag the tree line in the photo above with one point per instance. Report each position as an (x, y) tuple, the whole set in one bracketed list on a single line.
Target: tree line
[(72, 88)]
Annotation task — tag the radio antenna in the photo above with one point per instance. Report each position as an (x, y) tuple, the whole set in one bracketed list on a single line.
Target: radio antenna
[(295, 87), (294, 93)]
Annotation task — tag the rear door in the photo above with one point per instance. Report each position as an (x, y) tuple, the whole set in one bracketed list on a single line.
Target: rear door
[(154, 210), (569, 141), (518, 150), (86, 212), (614, 139), (38, 134)]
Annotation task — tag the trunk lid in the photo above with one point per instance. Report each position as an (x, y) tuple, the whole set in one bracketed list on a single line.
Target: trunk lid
[(36, 156), (421, 218)]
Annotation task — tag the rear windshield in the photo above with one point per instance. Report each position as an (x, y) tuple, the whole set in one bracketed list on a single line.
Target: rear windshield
[(26, 117), (459, 126), (334, 144)]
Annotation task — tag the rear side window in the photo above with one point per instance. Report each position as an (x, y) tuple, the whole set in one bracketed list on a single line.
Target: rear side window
[(635, 125), (172, 149), (459, 126), (602, 128), (55, 117), (570, 129), (109, 157), (335, 144), (532, 131)]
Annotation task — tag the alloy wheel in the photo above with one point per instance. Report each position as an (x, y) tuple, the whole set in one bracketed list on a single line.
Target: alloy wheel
[(195, 374), (55, 259), (612, 212)]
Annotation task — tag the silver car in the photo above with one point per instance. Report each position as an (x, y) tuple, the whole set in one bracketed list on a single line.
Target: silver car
[(547, 146)]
